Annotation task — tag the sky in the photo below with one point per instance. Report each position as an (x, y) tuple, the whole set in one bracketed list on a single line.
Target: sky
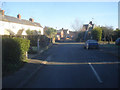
[(63, 14)]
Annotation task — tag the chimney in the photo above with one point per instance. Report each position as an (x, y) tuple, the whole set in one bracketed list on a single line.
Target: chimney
[(90, 22), (2, 12), (31, 19), (19, 16)]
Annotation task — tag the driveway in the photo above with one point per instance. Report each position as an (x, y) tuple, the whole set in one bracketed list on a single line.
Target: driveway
[(69, 65)]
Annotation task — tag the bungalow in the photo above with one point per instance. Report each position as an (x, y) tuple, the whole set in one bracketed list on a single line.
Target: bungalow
[(16, 26)]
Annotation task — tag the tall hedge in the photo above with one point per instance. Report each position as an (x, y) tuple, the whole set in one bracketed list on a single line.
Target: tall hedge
[(14, 49), (33, 39), (97, 33), (44, 41)]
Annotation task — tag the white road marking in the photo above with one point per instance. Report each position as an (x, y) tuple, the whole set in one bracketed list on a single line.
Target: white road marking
[(70, 63), (96, 74)]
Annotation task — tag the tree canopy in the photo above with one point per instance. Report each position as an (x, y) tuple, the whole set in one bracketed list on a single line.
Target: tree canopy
[(96, 33), (107, 33), (50, 32)]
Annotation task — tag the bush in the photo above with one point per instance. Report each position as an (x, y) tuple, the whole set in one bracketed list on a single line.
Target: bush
[(97, 33), (13, 54), (44, 41), (33, 39), (14, 49)]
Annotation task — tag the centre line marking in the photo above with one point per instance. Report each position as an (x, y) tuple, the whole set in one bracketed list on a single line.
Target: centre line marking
[(96, 74)]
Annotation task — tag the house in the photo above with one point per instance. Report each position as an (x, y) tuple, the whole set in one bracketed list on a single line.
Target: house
[(62, 34), (66, 34), (73, 34), (88, 27), (16, 26)]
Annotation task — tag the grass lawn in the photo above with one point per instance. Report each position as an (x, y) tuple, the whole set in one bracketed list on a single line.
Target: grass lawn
[(34, 48)]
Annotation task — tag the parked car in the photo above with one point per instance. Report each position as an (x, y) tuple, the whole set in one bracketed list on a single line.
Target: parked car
[(117, 42), (90, 44)]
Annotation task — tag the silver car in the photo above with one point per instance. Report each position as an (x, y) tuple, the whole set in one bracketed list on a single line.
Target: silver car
[(90, 44)]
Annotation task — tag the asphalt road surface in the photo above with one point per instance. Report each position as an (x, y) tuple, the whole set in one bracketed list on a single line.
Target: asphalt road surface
[(69, 65)]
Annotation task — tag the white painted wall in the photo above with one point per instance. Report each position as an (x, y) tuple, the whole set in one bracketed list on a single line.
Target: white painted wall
[(15, 27)]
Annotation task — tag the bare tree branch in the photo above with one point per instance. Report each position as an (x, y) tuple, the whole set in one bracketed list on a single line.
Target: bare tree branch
[(77, 25)]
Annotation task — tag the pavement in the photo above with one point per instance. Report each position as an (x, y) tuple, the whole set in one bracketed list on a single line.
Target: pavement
[(19, 78), (36, 73), (23, 75)]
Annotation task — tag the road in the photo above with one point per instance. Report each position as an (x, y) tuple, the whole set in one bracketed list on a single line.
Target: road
[(69, 65)]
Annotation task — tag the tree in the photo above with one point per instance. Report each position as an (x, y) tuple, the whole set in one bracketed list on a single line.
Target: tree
[(51, 33), (116, 34), (80, 36), (33, 32), (96, 33), (107, 33), (76, 25)]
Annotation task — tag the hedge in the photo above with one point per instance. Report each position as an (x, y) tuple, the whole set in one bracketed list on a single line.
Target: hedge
[(14, 49), (33, 39), (43, 40)]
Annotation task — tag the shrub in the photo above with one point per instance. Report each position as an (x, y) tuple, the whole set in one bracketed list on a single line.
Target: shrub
[(44, 41), (97, 33), (33, 39), (13, 54), (14, 49)]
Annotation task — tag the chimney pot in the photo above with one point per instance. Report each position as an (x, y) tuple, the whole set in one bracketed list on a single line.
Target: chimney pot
[(31, 19), (90, 22), (2, 12)]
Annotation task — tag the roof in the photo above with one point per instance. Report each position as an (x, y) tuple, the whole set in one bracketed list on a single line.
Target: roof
[(20, 32), (19, 21), (86, 26)]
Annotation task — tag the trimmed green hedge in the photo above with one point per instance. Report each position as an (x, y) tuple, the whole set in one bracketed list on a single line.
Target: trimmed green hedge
[(43, 40), (14, 49), (33, 39)]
